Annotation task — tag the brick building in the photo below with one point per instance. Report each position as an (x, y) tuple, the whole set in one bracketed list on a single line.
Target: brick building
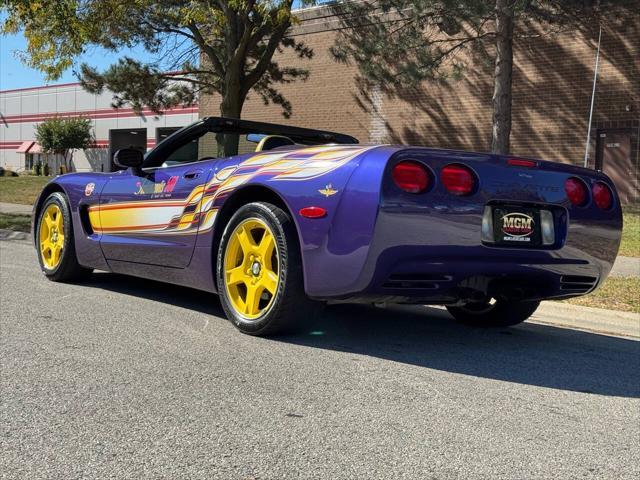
[(552, 91)]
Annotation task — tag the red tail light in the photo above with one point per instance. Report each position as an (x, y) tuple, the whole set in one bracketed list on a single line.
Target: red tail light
[(458, 179), (410, 176), (576, 191), (602, 196)]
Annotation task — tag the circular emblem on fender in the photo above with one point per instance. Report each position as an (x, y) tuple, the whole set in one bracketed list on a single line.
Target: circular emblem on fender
[(89, 188), (517, 224)]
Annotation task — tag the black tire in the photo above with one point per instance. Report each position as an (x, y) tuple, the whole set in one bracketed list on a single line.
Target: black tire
[(290, 308), (502, 313), (68, 269)]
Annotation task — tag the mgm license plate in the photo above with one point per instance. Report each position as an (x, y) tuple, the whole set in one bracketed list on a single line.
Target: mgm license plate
[(517, 226)]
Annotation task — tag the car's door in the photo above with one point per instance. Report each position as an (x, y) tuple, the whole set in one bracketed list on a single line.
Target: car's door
[(151, 216)]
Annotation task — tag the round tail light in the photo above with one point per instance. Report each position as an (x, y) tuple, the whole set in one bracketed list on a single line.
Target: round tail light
[(410, 176), (458, 179), (602, 196), (576, 191)]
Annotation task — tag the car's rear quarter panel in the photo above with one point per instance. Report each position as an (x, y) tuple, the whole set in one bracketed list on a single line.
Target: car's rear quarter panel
[(301, 184), (436, 235)]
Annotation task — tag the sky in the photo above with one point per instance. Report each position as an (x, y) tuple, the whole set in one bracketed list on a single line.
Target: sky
[(14, 74)]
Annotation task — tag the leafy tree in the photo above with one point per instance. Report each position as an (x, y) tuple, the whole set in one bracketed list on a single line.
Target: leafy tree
[(198, 46), (396, 43), (63, 135)]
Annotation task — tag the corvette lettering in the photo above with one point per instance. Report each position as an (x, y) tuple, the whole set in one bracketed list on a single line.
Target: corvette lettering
[(531, 187)]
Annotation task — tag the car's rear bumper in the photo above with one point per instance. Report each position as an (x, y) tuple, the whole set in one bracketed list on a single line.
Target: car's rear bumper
[(430, 255)]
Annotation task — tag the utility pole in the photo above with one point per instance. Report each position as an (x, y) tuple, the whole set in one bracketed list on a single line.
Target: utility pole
[(593, 97)]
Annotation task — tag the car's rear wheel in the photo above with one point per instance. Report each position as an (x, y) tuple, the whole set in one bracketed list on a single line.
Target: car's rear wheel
[(259, 271), (55, 243), (499, 313)]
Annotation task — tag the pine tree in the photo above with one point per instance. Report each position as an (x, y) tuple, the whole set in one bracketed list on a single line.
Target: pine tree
[(196, 47)]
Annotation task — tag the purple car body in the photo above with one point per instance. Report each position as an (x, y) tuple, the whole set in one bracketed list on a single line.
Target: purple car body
[(376, 241)]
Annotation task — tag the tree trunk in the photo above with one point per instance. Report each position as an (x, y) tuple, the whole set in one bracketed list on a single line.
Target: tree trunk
[(230, 107), (67, 160), (501, 127)]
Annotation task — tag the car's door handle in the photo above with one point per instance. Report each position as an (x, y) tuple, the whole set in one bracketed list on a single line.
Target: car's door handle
[(192, 174)]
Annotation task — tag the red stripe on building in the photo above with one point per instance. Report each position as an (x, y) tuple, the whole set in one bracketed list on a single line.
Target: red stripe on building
[(11, 145), (97, 144), (98, 114), (42, 87)]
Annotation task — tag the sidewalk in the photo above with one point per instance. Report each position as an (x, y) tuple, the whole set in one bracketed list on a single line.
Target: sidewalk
[(626, 267), (612, 322), (15, 208)]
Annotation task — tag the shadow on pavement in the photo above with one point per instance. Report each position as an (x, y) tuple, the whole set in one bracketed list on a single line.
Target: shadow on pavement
[(529, 354), (157, 291)]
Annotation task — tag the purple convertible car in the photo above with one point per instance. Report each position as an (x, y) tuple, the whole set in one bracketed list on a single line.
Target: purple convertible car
[(301, 216)]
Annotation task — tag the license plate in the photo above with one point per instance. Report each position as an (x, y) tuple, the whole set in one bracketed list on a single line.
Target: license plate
[(517, 226)]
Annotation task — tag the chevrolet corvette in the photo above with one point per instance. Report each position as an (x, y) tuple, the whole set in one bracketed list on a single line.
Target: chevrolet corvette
[(299, 217)]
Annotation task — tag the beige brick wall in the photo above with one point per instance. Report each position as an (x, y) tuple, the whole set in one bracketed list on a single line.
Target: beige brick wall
[(552, 88)]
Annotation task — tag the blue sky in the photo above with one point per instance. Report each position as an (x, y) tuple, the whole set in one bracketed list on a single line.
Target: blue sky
[(13, 74)]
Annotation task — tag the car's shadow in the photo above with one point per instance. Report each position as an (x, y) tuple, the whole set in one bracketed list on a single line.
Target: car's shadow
[(530, 353)]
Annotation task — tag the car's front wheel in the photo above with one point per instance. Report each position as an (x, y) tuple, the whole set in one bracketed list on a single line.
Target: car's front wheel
[(259, 271), (499, 313), (55, 243)]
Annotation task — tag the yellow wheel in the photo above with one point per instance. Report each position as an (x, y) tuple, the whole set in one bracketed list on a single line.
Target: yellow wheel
[(251, 268), (259, 271), (51, 236), (54, 240)]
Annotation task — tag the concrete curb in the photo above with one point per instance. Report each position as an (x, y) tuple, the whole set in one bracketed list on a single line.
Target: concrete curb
[(16, 208), (15, 236), (612, 322)]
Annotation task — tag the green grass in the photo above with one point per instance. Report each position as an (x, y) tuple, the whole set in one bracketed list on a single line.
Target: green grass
[(18, 223), (22, 190), (630, 246), (616, 294)]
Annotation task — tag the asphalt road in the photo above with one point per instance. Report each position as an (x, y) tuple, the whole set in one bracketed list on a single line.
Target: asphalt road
[(126, 378)]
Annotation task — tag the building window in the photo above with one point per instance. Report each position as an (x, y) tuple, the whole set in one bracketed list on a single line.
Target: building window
[(28, 161)]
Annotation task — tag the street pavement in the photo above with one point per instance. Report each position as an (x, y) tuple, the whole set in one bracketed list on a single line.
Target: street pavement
[(129, 378)]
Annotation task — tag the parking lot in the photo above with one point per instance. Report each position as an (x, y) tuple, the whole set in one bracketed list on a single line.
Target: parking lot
[(128, 378)]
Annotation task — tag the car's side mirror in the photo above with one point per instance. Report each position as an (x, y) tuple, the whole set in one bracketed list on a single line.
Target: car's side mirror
[(129, 158)]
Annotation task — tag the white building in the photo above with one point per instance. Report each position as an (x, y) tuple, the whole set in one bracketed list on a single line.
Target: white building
[(22, 109)]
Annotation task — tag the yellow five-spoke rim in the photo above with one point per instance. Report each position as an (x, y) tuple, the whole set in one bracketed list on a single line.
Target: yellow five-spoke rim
[(51, 236), (251, 268)]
